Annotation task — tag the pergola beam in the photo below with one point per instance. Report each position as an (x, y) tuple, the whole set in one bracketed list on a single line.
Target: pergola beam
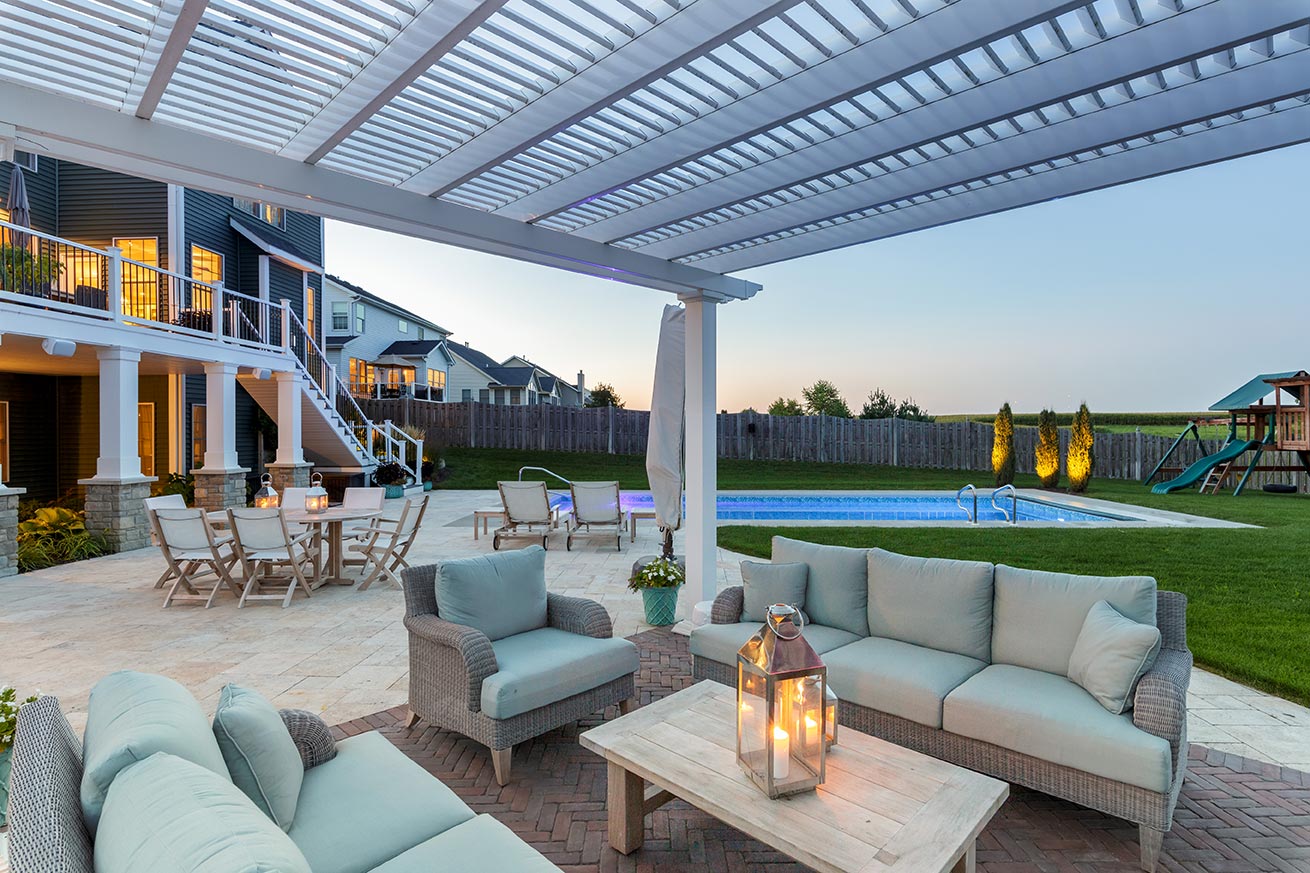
[(170, 54), (79, 132)]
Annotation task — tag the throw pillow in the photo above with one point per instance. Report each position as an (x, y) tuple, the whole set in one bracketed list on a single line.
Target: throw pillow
[(764, 584), (260, 754), (1111, 654), (501, 595)]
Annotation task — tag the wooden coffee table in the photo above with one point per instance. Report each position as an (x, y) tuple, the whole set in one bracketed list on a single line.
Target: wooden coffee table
[(882, 808)]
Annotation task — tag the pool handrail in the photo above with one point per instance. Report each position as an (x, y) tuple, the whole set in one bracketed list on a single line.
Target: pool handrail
[(1013, 515), (973, 517), (547, 472)]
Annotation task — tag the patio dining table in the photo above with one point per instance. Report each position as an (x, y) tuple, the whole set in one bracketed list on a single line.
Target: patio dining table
[(334, 518)]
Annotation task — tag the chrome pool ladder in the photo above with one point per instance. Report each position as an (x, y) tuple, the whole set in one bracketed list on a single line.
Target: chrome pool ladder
[(1012, 514), (959, 501)]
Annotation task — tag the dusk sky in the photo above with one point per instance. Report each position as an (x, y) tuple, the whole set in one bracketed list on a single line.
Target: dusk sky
[(1161, 295)]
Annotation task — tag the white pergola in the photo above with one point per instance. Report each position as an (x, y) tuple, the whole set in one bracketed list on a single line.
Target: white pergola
[(661, 143)]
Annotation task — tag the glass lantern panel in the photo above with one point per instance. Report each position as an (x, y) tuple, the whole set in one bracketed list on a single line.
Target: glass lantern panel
[(829, 716), (752, 723)]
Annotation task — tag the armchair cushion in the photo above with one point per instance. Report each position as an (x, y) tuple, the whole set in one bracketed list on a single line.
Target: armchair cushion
[(1111, 654), (501, 595), (720, 642), (837, 593), (933, 602), (765, 584), (260, 754), (547, 665)]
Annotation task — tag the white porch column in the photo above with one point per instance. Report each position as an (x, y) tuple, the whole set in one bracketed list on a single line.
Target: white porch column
[(702, 454), (289, 449), (220, 417), (118, 460)]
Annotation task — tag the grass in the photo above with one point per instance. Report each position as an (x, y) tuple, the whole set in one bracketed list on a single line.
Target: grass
[(1249, 591)]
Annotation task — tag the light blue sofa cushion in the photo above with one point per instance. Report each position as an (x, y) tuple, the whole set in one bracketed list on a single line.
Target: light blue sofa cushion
[(501, 594), (1048, 717), (1111, 654), (480, 844), (898, 678), (720, 642), (764, 584), (934, 602), (837, 594), (1037, 616), (129, 717), (168, 814), (259, 751), (547, 665), (369, 804)]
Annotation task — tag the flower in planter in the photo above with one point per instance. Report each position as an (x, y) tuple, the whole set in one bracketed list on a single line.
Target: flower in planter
[(9, 704), (659, 573)]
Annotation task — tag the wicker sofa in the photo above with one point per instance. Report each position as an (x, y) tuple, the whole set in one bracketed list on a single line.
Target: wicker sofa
[(360, 804), (966, 662)]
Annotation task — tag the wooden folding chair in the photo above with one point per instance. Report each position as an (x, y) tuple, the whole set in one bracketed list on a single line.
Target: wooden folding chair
[(264, 543), (163, 501), (389, 542), (199, 562)]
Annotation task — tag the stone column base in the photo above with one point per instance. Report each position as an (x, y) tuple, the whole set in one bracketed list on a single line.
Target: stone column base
[(216, 491), (289, 476), (117, 512), (9, 530)]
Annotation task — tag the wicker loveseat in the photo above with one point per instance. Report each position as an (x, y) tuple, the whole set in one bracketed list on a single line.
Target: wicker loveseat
[(966, 662)]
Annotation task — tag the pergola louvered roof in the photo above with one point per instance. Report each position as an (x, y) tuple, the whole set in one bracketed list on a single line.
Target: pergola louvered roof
[(674, 139)]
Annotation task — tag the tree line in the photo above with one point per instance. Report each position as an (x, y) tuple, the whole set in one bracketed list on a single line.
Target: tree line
[(823, 398)]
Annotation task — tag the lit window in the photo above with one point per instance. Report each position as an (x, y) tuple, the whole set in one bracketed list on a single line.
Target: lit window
[(311, 311), (340, 315), (402, 325), (266, 212), (4, 214), (206, 266), (4, 439), (141, 286), (145, 437), (436, 384), (198, 431)]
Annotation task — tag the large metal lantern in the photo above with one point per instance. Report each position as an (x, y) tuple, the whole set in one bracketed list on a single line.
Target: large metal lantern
[(266, 497), (782, 707), (316, 498)]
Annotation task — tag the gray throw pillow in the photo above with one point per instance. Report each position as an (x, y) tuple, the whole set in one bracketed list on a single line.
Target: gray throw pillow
[(1111, 654), (502, 594), (766, 584)]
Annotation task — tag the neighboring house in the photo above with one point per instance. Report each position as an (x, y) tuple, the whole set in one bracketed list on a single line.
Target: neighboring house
[(516, 381), (381, 349)]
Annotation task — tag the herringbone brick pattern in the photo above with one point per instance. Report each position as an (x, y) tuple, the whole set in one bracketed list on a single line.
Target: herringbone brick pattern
[(1234, 816)]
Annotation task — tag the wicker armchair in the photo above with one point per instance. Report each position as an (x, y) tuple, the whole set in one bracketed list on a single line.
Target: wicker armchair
[(448, 664)]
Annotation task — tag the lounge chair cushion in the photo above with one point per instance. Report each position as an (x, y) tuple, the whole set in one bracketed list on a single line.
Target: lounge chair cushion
[(369, 804), (1037, 616), (837, 593), (766, 584), (720, 642), (545, 666), (259, 751), (933, 602), (1051, 718), (479, 844), (131, 716), (501, 594), (166, 813), (898, 678), (1111, 654)]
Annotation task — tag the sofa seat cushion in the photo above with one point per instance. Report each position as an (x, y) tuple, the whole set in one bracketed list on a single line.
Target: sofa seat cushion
[(898, 678), (837, 591), (260, 754), (480, 844), (501, 594), (168, 814), (1051, 718), (369, 804), (131, 716), (934, 602), (720, 642), (545, 666)]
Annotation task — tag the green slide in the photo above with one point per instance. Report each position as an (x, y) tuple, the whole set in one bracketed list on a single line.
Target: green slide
[(1197, 471)]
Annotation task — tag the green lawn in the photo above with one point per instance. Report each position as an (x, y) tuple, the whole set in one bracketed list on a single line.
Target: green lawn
[(1249, 590)]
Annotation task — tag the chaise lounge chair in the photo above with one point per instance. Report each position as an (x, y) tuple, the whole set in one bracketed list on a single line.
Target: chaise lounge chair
[(527, 505), (596, 505)]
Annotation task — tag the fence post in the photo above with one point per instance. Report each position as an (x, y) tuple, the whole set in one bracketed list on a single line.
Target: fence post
[(1137, 472), (611, 426), (473, 440), (896, 442)]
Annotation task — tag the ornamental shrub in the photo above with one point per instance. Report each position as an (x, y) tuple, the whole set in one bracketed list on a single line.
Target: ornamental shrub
[(1080, 460), (1048, 449), (1003, 446)]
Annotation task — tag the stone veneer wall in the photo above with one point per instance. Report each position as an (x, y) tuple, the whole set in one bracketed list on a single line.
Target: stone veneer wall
[(289, 476), (218, 491), (9, 530), (117, 512)]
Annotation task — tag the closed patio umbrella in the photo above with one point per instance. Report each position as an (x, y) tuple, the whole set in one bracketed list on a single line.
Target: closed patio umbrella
[(20, 212), (664, 445)]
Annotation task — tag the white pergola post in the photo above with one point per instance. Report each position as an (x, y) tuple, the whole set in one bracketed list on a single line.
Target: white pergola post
[(289, 469), (702, 454), (115, 507), (221, 482)]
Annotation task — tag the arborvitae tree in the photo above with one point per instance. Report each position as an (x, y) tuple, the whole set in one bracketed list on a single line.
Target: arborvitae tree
[(1003, 446), (1078, 464), (1048, 449)]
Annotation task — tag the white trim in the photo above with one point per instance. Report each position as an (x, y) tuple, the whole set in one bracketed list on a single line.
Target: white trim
[(5, 441), (271, 248), (177, 247)]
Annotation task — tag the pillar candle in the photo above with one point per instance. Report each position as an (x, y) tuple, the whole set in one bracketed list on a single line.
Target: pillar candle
[(781, 754)]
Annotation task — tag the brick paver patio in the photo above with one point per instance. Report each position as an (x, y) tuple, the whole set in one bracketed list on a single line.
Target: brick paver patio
[(1235, 814)]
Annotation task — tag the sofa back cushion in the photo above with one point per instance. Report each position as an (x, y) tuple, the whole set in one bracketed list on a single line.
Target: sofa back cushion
[(131, 716), (837, 593), (1037, 616), (934, 602), (165, 813), (766, 584), (259, 751), (501, 594)]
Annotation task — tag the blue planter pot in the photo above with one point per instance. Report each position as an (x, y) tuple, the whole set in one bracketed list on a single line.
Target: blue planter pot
[(5, 762), (661, 605), (427, 486), (394, 491)]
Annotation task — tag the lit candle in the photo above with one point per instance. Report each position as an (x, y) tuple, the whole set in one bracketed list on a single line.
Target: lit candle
[(781, 754), (811, 732)]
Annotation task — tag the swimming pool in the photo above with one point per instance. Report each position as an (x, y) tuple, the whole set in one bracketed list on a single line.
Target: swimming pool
[(870, 506)]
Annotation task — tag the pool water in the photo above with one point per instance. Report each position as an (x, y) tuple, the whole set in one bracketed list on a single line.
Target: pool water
[(802, 506)]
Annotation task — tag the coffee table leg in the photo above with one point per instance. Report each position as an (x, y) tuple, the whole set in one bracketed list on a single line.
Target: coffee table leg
[(626, 800), (968, 860)]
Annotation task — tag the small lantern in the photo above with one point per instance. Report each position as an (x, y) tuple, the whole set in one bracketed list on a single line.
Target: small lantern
[(316, 498), (782, 707), (829, 716), (266, 497)]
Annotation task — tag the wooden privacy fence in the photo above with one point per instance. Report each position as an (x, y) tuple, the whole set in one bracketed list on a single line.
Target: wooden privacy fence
[(954, 445)]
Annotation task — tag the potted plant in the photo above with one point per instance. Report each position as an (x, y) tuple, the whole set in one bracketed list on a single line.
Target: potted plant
[(393, 477), (9, 704), (659, 580)]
